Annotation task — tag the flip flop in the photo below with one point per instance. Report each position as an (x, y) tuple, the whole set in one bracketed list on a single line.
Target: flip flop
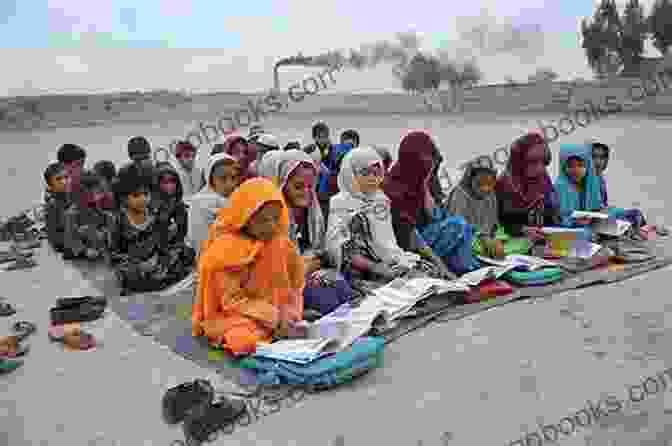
[(76, 339), (6, 309), (23, 329), (9, 365), (10, 347)]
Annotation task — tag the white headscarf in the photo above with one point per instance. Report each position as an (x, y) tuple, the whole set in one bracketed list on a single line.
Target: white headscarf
[(279, 166), (204, 205), (375, 206)]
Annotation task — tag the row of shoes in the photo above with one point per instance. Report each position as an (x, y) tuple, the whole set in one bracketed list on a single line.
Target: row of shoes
[(194, 405), (77, 309)]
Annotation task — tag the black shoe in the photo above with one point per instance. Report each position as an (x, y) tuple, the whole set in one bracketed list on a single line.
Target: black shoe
[(180, 401), (69, 302), (206, 421), (85, 312)]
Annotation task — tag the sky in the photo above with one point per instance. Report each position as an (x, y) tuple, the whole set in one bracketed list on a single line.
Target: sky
[(78, 46)]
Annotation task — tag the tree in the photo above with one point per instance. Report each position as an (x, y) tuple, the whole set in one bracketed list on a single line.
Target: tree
[(602, 38), (422, 73), (543, 74), (660, 25), (633, 34)]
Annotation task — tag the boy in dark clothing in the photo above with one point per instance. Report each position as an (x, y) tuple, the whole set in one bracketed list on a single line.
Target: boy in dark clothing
[(167, 203), (86, 222), (140, 152), (55, 203), (141, 257), (322, 151)]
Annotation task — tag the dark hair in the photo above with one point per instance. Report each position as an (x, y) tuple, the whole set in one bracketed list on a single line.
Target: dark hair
[(52, 170), (138, 145), (351, 134), (68, 153), (320, 127), (105, 169), (90, 180), (131, 179), (599, 145)]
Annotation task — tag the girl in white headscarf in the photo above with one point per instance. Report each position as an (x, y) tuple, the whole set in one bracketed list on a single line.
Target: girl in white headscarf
[(295, 173), (223, 177), (360, 237)]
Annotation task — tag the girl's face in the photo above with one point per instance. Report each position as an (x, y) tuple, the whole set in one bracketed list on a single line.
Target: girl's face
[(186, 159), (576, 169), (484, 183), (73, 168), (322, 139), (261, 226), (535, 166), (227, 179), (57, 183), (168, 184), (600, 160), (299, 189), (370, 178), (137, 200)]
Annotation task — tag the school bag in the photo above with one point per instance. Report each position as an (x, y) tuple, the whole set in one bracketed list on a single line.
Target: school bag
[(539, 277), (362, 356)]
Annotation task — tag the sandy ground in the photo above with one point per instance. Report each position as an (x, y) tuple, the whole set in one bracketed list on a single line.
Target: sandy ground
[(484, 380)]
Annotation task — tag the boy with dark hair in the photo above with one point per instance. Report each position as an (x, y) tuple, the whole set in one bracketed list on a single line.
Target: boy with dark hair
[(55, 203), (167, 204), (323, 153), (350, 137), (139, 151), (190, 175), (86, 222), (139, 254)]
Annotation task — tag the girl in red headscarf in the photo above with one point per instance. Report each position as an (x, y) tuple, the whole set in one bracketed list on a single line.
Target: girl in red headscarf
[(525, 192)]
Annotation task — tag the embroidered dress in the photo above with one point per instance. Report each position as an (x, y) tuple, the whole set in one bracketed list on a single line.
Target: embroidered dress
[(142, 260)]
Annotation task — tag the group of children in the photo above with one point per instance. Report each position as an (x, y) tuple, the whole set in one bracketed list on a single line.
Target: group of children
[(282, 235)]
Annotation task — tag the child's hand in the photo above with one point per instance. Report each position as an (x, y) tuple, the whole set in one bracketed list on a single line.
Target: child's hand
[(494, 248), (583, 221), (311, 263)]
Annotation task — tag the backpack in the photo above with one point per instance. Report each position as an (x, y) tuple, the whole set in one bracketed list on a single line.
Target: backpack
[(330, 371)]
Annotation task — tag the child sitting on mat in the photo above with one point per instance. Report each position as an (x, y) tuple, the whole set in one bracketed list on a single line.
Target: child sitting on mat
[(251, 276), (143, 256)]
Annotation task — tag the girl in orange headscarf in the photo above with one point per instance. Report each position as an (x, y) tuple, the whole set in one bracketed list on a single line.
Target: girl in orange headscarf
[(251, 276)]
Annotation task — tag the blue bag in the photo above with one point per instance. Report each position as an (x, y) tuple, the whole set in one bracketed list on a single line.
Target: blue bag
[(362, 356)]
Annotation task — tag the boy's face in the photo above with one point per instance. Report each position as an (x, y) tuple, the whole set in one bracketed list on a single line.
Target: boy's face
[(370, 178), (186, 159), (322, 139), (226, 179), (239, 150), (143, 159), (73, 168), (485, 183), (351, 141), (600, 160), (137, 200), (576, 169), (57, 183)]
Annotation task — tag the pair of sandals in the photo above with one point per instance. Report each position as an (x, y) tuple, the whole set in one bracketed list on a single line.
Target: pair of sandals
[(77, 309), (194, 404), (12, 347)]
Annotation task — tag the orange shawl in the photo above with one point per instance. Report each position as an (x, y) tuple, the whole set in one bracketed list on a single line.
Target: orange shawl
[(248, 281)]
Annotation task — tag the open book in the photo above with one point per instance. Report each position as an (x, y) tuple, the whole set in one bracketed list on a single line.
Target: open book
[(516, 261), (340, 328)]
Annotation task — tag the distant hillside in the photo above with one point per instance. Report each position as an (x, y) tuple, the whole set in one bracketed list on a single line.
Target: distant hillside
[(23, 113)]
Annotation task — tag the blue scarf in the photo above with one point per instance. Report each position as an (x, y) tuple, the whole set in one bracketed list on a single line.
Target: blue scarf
[(570, 199)]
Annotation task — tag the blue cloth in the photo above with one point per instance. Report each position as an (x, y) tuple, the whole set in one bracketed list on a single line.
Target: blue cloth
[(330, 165), (570, 199), (450, 238), (327, 297)]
